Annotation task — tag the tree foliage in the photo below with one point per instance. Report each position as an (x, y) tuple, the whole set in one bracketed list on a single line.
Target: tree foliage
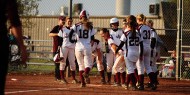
[(26, 9)]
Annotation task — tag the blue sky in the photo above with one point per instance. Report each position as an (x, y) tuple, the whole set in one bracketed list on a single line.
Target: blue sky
[(95, 7)]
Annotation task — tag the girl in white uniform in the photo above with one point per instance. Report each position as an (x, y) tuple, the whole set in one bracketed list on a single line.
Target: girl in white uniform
[(134, 51), (119, 64), (84, 30), (148, 36), (97, 55), (115, 34), (68, 51)]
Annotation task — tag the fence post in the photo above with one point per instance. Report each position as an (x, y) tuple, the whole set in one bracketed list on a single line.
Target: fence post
[(178, 45)]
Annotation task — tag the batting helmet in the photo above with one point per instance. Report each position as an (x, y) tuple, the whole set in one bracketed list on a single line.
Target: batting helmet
[(114, 20), (84, 13)]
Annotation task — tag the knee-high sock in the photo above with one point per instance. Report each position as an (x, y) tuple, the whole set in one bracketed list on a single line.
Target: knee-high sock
[(81, 77), (128, 79), (123, 77), (73, 75), (87, 70), (141, 79), (62, 74), (109, 76), (102, 74), (136, 75)]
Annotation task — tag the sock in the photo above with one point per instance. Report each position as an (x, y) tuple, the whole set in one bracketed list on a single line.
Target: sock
[(136, 75), (123, 77), (73, 74), (81, 77), (141, 79), (151, 77), (128, 79), (102, 74), (109, 76), (87, 70), (62, 74)]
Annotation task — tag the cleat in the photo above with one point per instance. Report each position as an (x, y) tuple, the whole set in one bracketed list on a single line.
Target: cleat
[(83, 85), (153, 86), (132, 88), (148, 85), (64, 81), (109, 82), (103, 81), (140, 87), (75, 81), (116, 85), (124, 86), (86, 77)]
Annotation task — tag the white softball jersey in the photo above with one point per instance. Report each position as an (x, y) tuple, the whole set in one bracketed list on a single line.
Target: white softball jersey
[(84, 37), (96, 45), (64, 33), (132, 45), (116, 35), (147, 34)]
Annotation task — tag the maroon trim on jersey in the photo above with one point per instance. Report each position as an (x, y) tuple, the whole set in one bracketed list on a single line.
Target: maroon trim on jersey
[(139, 27)]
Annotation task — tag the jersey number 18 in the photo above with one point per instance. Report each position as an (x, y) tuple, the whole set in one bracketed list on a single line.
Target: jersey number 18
[(83, 34)]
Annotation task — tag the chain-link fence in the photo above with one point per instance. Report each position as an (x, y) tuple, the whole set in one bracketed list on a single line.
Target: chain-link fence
[(163, 14)]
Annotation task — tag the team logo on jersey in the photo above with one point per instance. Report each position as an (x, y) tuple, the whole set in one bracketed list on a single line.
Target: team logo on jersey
[(118, 36)]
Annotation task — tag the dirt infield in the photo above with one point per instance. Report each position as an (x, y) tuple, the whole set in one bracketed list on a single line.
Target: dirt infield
[(45, 85)]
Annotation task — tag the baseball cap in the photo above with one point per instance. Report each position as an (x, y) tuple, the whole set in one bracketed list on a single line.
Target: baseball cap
[(62, 18)]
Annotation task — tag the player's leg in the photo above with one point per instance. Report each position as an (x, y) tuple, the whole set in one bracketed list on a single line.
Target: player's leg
[(57, 71), (140, 69), (130, 74), (64, 53), (80, 59), (149, 69), (71, 58), (100, 67), (109, 62), (117, 69), (87, 64)]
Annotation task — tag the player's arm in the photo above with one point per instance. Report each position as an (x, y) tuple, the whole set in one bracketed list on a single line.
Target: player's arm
[(141, 50), (53, 32), (99, 55), (114, 47), (152, 45), (71, 35), (120, 46)]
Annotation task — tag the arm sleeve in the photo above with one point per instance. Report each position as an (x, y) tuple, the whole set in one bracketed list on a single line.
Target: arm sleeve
[(120, 46), (141, 48), (70, 36), (153, 43)]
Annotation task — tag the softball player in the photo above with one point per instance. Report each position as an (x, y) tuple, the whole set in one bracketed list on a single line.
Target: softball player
[(56, 43), (133, 41), (84, 31), (119, 65), (96, 46), (156, 52), (68, 51), (115, 34), (148, 38), (130, 18)]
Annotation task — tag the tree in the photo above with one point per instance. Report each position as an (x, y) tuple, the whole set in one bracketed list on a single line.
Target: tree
[(26, 9)]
